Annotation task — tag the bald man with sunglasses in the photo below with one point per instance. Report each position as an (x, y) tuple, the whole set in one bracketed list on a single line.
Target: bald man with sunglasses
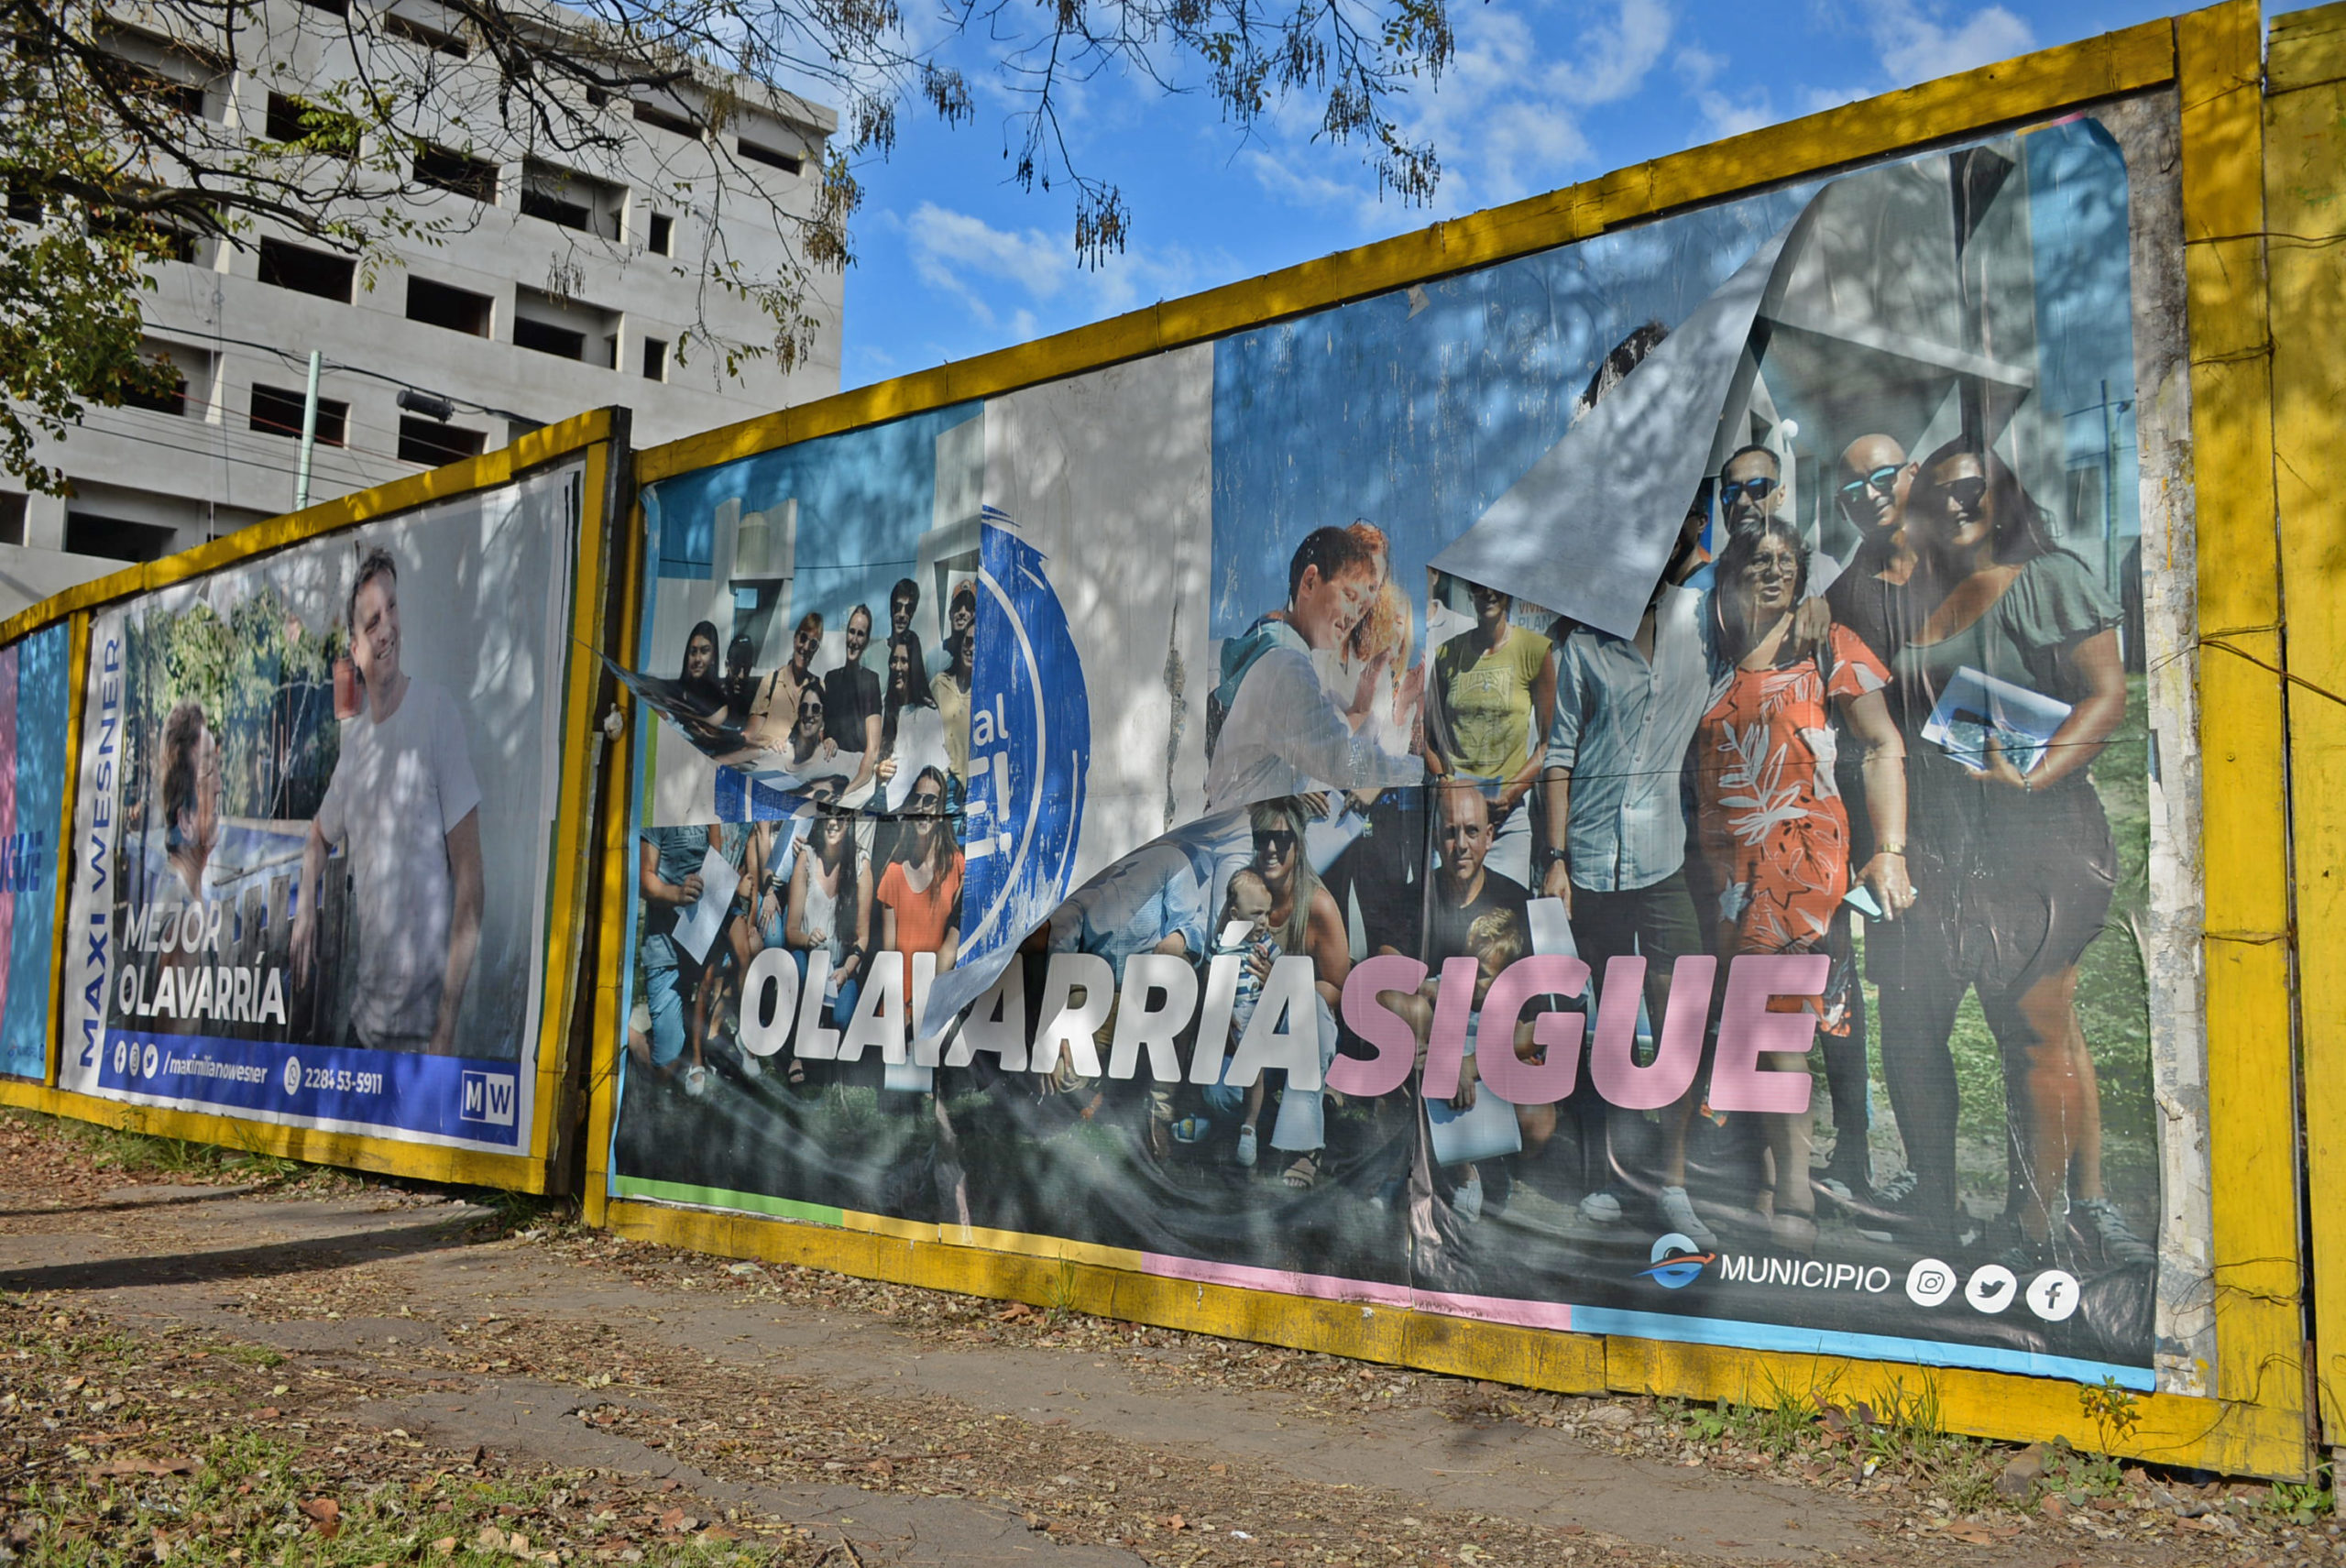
[(1871, 597)]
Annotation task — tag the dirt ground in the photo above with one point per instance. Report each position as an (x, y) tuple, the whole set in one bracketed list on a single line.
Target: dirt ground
[(240, 1363)]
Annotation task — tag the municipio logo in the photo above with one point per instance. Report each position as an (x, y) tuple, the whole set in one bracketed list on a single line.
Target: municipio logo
[(1676, 1263)]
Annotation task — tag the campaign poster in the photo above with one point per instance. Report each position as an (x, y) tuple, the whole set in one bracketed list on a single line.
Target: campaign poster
[(33, 691), (313, 832), (1607, 793)]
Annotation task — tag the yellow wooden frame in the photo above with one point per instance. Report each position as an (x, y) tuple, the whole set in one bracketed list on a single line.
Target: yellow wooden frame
[(2305, 196), (592, 434), (2257, 1419)]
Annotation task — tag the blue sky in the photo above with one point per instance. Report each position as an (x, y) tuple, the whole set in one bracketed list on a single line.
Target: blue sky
[(954, 259)]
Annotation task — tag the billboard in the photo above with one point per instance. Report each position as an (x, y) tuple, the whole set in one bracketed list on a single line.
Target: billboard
[(313, 827), (34, 685), (1607, 792)]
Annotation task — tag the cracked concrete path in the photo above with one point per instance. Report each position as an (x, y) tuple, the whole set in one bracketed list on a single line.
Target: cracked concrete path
[(917, 1429)]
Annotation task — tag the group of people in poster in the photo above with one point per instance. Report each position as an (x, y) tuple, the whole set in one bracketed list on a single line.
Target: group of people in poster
[(1884, 762), (867, 863)]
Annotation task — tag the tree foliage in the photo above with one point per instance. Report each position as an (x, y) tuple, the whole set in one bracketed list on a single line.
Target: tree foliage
[(129, 134)]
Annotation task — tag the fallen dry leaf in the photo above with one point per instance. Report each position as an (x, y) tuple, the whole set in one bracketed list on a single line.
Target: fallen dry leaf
[(1964, 1530), (139, 1464), (444, 1545)]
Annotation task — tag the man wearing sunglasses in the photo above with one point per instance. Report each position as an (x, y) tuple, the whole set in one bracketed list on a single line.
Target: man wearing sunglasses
[(1752, 489), (1870, 598), (1627, 708)]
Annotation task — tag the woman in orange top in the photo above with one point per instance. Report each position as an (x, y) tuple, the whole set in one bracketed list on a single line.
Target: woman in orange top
[(1774, 832), (920, 893)]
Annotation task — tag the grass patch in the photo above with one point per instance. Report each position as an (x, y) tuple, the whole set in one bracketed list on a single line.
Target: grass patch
[(1901, 1435), (248, 1500)]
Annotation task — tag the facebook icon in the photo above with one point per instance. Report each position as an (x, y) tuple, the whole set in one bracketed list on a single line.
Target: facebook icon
[(2052, 1295)]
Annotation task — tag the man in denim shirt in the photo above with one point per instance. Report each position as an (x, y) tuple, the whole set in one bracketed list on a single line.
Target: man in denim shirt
[(1626, 711)]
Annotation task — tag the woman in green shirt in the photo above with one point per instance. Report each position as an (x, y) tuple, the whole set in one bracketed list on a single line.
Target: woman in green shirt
[(1493, 692), (2012, 866)]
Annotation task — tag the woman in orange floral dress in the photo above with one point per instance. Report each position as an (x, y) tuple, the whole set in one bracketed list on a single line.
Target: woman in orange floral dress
[(1773, 829)]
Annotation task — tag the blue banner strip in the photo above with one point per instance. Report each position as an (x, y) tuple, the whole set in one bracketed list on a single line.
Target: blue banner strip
[(1744, 1336), (450, 1097)]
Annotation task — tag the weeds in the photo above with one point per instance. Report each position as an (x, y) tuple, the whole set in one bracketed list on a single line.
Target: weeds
[(1901, 1433), (246, 1498), (131, 1152), (1063, 1293), (511, 1214), (2305, 1503)]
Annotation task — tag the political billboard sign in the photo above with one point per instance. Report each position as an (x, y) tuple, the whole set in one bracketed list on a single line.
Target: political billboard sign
[(315, 825), (1608, 790)]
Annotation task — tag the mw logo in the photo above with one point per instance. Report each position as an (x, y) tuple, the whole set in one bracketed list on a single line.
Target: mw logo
[(489, 1097)]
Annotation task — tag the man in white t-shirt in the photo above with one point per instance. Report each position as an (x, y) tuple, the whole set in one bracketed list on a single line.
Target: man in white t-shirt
[(403, 804)]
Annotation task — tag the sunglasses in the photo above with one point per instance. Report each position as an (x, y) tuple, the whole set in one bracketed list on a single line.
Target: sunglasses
[(1883, 480), (1275, 842), (810, 709), (1966, 492), (1758, 489), (925, 802)]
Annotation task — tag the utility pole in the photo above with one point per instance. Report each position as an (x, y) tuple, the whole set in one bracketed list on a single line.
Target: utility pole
[(2109, 408), (309, 433), (2109, 487)]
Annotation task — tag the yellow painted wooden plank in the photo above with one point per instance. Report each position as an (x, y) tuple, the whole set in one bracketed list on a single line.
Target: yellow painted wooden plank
[(2252, 1116), (2237, 1439), (421, 1162), (2204, 1433), (2306, 48), (2032, 87), (2305, 200), (2035, 85), (573, 829), (615, 843)]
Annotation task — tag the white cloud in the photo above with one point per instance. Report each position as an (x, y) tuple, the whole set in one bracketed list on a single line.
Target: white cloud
[(1026, 282), (1816, 100), (1913, 39), (952, 252), (1697, 66), (1724, 116), (1506, 118), (1917, 43), (1615, 55)]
